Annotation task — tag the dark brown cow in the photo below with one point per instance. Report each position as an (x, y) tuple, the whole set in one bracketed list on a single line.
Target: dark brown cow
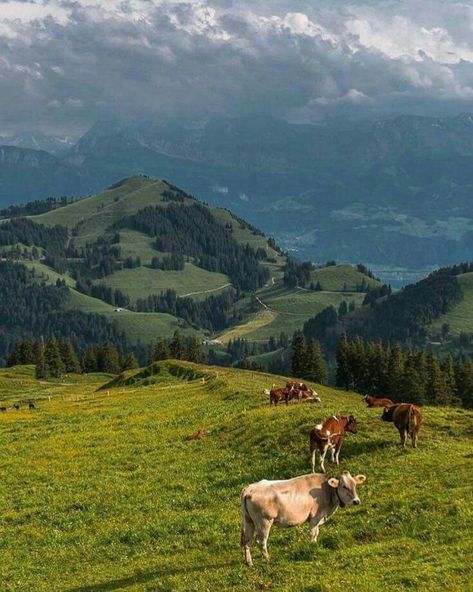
[(330, 434), (375, 402), (31, 406), (3, 409), (407, 418)]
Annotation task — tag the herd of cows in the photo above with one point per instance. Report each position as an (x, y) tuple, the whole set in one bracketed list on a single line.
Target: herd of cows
[(313, 498)]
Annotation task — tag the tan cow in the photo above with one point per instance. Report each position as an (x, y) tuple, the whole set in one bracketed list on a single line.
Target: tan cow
[(407, 418), (291, 502)]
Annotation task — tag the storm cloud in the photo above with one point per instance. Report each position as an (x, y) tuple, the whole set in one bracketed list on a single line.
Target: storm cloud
[(65, 64)]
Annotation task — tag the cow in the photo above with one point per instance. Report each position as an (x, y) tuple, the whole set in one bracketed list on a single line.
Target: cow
[(31, 406), (375, 402), (297, 385), (3, 409), (16, 406), (330, 435), (198, 436), (407, 418), (277, 395), (291, 502), (299, 393)]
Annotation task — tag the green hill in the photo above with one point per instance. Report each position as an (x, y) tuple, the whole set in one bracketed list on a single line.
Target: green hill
[(102, 492), (125, 246)]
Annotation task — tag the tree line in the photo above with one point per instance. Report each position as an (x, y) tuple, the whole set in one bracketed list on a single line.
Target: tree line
[(412, 376), (55, 357)]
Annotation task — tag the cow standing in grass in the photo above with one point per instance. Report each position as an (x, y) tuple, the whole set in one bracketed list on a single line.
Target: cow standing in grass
[(407, 418), (291, 502), (330, 436)]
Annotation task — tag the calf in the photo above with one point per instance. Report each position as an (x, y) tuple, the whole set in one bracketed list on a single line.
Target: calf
[(330, 435), (309, 498), (16, 406), (3, 409), (407, 418), (198, 436), (375, 402), (31, 406)]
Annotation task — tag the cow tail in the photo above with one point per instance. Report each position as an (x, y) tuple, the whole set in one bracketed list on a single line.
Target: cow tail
[(411, 421), (244, 517)]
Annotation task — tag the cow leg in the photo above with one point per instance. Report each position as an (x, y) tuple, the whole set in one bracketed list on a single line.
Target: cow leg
[(262, 536), (313, 460), (414, 439), (322, 458), (247, 536), (332, 453), (403, 434)]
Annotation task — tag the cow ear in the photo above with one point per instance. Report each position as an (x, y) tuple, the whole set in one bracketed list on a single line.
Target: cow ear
[(360, 479), (346, 472), (334, 482)]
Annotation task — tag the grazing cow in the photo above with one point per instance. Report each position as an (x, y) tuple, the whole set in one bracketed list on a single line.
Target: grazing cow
[(16, 406), (31, 406), (330, 435), (198, 436), (3, 409), (277, 395), (309, 498), (375, 402), (407, 418)]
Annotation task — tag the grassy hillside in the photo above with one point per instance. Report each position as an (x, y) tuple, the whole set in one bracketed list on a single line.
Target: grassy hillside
[(337, 278), (102, 492), (460, 318), (286, 310)]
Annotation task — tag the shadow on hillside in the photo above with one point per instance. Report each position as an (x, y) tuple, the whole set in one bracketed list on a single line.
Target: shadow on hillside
[(142, 578), (357, 447)]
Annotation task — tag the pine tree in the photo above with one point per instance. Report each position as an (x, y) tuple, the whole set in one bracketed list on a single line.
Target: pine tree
[(343, 373), (89, 360), (52, 359), (129, 362), (69, 357), (315, 366), (177, 347), (395, 366), (108, 359), (299, 352), (194, 353)]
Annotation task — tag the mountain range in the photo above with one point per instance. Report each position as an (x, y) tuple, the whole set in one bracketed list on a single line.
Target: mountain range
[(390, 193)]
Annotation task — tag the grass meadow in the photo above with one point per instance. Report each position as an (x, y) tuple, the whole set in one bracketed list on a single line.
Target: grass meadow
[(101, 492)]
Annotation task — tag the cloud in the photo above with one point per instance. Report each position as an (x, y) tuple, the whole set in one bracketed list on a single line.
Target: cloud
[(66, 63)]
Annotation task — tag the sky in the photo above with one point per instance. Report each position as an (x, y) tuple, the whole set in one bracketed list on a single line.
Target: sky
[(65, 64)]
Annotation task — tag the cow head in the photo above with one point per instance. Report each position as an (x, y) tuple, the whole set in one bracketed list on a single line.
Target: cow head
[(388, 413), (266, 392), (345, 487), (351, 425)]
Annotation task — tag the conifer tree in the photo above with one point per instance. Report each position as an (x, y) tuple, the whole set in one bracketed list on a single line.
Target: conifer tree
[(299, 355), (315, 366), (108, 359), (52, 359), (129, 362), (69, 356), (343, 373), (177, 347)]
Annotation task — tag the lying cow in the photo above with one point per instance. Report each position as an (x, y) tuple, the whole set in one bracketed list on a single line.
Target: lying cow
[(296, 385), (291, 502), (330, 435), (375, 402), (407, 418), (198, 436), (300, 394)]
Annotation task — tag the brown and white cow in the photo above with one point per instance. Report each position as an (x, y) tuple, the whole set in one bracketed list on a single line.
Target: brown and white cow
[(297, 385), (376, 402), (300, 394), (329, 436), (309, 498), (407, 418), (276, 395)]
